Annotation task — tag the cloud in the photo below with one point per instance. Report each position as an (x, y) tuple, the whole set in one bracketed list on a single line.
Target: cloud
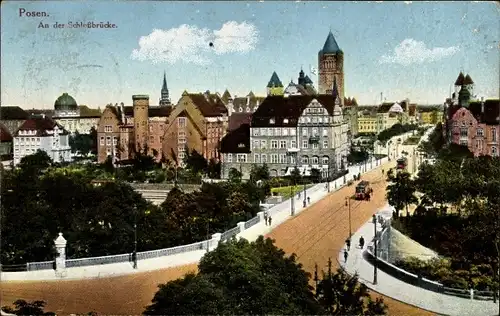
[(190, 44), (411, 51)]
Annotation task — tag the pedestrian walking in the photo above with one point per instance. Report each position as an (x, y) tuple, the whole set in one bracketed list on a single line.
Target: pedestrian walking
[(345, 255), (361, 242), (270, 219), (308, 200), (265, 217), (348, 244)]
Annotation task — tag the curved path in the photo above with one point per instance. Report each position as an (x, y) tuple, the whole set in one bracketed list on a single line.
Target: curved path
[(315, 235)]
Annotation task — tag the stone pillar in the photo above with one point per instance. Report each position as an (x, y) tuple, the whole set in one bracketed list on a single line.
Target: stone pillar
[(60, 243), (241, 225), (261, 215), (215, 241)]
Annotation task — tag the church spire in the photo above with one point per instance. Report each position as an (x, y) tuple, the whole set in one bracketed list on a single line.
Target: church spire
[(165, 98)]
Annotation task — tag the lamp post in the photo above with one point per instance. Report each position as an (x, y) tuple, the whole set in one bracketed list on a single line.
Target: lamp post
[(292, 198), (388, 150), (134, 254), (348, 204), (374, 220)]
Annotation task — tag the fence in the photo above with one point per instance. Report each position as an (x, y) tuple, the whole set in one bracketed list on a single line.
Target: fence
[(414, 279), (202, 245)]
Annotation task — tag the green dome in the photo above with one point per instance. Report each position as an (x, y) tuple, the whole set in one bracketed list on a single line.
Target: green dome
[(65, 103)]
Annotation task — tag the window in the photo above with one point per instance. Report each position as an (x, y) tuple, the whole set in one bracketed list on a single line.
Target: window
[(263, 158), (256, 144), (255, 131), (108, 151), (282, 144), (455, 124), (480, 132), (282, 158), (493, 134), (293, 132), (463, 143), (108, 141), (284, 132), (305, 160), (229, 157), (270, 132), (271, 121), (494, 152), (304, 131), (256, 158), (101, 142), (182, 155), (463, 132), (263, 132), (325, 131), (151, 128), (293, 144), (315, 145), (181, 141), (285, 121), (292, 159), (274, 158), (315, 131), (181, 134), (108, 129), (115, 140), (277, 132), (305, 143), (315, 160), (181, 122), (263, 144), (325, 160), (274, 144), (325, 143), (241, 158)]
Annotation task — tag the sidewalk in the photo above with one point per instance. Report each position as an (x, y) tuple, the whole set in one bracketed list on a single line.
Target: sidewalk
[(404, 292)]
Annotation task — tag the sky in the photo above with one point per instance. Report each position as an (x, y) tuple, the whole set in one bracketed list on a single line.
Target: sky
[(400, 49)]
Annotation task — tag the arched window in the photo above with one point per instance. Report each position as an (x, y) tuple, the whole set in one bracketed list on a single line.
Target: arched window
[(315, 160), (325, 160), (305, 160)]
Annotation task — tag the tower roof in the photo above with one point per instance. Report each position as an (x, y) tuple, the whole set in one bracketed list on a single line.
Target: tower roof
[(460, 79), (164, 87), (468, 80), (464, 92), (65, 102), (274, 81), (308, 80), (331, 46)]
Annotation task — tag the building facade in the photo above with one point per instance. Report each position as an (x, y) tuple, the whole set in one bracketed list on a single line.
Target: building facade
[(5, 143), (330, 66), (198, 122), (42, 133), (304, 132)]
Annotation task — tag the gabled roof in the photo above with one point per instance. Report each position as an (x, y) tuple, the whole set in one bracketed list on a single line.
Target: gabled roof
[(384, 107), (274, 81), (210, 105), (237, 119), (331, 46), (468, 80), (159, 111), (226, 96), (280, 108), (5, 136), (40, 125), (460, 79), (237, 141), (85, 111), (13, 113)]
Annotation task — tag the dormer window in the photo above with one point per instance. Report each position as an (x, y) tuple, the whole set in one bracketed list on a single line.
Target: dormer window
[(241, 145), (271, 121), (285, 121), (248, 109), (241, 109)]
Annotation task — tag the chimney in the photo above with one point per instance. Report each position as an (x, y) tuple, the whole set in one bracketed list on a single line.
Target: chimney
[(122, 109)]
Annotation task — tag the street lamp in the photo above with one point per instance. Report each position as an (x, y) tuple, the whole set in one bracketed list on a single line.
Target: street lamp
[(134, 254), (348, 204), (374, 220), (388, 150)]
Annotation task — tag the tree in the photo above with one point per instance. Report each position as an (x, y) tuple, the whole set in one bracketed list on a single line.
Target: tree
[(28, 308), (295, 175), (240, 278), (341, 294), (195, 162), (234, 176), (36, 162), (213, 169), (259, 172), (93, 137), (401, 191), (315, 175), (81, 144)]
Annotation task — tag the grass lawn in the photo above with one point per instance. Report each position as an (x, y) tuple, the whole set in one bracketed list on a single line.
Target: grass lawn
[(285, 191)]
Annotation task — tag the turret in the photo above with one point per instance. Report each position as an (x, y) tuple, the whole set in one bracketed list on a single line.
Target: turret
[(141, 120), (274, 86)]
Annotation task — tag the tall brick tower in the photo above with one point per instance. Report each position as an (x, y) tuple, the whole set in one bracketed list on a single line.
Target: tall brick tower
[(330, 65), (141, 121)]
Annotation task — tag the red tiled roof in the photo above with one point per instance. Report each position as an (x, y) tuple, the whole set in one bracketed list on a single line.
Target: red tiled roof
[(238, 119), (5, 136), (280, 108), (40, 125), (237, 141), (210, 105)]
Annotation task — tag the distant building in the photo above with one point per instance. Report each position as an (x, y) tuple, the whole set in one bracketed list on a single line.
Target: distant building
[(275, 86), (472, 123), (429, 115), (5, 143), (303, 131), (330, 66), (304, 86), (247, 104), (42, 133), (165, 95), (12, 117)]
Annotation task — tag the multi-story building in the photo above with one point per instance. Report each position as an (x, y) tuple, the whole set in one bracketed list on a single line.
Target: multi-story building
[(12, 117), (429, 115), (5, 143), (367, 123), (198, 122), (389, 114), (472, 123), (304, 86), (307, 132), (247, 104), (330, 66), (42, 133)]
